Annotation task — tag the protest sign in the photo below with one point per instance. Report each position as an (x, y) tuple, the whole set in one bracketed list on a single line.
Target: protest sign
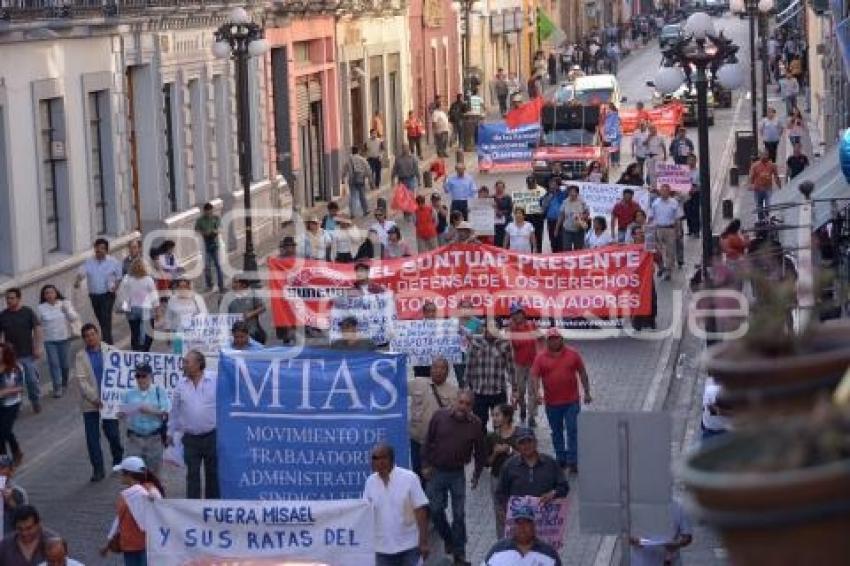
[(482, 215), (185, 532), (424, 340), (607, 282), (119, 376), (302, 426), (501, 148), (529, 200), (208, 333), (374, 313), (601, 197), (550, 520), (677, 176)]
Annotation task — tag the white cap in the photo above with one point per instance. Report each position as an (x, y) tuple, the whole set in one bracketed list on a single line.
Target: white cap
[(132, 464)]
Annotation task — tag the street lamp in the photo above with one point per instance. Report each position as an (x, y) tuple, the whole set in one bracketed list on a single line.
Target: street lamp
[(240, 39), (466, 6), (703, 50), (753, 8)]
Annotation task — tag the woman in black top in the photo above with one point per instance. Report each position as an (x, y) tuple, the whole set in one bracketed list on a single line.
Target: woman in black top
[(501, 444), (632, 176)]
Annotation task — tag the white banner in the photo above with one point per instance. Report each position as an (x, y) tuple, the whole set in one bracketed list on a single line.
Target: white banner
[(677, 176), (183, 532), (482, 215), (424, 340), (375, 315), (601, 197), (208, 333), (119, 376)]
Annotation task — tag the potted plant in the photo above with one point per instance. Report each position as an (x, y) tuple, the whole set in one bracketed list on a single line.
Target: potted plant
[(778, 494)]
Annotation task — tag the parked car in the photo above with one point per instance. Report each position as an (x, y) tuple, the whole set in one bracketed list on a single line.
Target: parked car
[(670, 34)]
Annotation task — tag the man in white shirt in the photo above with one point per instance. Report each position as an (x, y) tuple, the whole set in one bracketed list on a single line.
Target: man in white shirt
[(663, 214), (401, 511), (193, 413), (442, 127), (382, 226)]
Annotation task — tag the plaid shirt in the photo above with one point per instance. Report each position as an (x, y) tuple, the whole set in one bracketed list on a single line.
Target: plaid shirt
[(487, 365)]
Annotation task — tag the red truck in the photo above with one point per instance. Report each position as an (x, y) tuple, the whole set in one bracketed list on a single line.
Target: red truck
[(569, 136)]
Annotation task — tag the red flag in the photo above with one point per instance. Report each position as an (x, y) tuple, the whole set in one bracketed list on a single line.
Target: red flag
[(528, 113)]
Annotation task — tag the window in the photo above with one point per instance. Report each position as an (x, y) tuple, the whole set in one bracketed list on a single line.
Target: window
[(301, 50), (167, 110), (54, 172), (99, 138)]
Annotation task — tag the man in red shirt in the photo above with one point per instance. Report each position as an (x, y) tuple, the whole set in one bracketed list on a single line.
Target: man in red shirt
[(559, 369), (523, 335), (623, 214)]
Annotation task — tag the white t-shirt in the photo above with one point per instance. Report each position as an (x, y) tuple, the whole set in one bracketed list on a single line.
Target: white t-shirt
[(394, 504), (440, 120), (383, 230), (709, 397), (654, 146), (594, 240), (639, 143), (520, 236)]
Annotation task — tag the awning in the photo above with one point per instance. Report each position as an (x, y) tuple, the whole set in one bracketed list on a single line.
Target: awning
[(829, 183)]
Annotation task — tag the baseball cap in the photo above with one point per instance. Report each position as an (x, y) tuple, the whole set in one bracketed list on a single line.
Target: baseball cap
[(524, 512), (144, 367), (525, 433), (554, 333), (132, 464)]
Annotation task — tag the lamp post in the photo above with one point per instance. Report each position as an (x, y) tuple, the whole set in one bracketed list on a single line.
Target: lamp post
[(240, 39), (753, 8), (703, 50), (466, 7)]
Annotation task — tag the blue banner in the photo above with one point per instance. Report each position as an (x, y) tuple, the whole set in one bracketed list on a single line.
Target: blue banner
[(302, 426), (503, 149)]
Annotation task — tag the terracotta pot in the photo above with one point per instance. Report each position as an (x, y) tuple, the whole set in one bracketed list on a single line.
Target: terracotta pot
[(757, 383), (796, 517)]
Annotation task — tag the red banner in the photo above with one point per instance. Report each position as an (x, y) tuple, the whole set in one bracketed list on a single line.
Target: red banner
[(609, 282), (666, 118)]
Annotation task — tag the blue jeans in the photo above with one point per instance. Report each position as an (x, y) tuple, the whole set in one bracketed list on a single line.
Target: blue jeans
[(406, 558), (564, 417), (92, 422), (212, 261), (410, 182), (356, 192), (31, 380), (57, 359), (762, 201), (137, 558), (440, 486)]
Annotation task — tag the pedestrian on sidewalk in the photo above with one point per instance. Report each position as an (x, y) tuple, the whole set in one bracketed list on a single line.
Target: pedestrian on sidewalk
[(501, 91), (560, 369), (460, 187), (771, 130), (145, 409), (441, 126), (415, 129), (357, 174), (692, 204), (88, 369), (573, 220), (14, 496), (208, 226), (528, 473), (406, 170), (796, 162), (455, 435), (426, 220), (102, 274), (27, 546), (456, 113), (501, 445), (489, 362), (127, 536), (624, 212), (193, 414), (374, 155), (663, 215), (796, 126), (138, 299), (524, 338), (21, 328), (401, 511), (57, 315), (428, 394), (763, 175), (523, 543), (11, 386), (789, 88)]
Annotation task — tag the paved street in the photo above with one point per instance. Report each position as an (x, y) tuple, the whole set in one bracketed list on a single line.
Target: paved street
[(626, 374)]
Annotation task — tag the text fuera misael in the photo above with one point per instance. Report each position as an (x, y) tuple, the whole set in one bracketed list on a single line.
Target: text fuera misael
[(310, 384)]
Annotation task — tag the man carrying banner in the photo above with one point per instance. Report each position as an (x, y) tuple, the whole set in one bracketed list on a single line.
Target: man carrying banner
[(395, 493), (145, 409), (427, 396), (523, 547), (194, 415), (528, 472), (454, 435)]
